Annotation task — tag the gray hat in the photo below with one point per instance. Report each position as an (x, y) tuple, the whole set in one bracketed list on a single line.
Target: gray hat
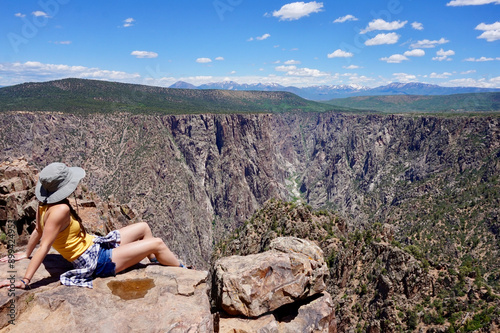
[(57, 181)]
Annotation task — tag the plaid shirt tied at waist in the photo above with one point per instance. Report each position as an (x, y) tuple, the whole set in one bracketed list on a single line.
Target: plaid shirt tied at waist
[(85, 265)]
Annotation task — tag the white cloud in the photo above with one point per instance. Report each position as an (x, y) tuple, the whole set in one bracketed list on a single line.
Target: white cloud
[(380, 24), (427, 44), (292, 62), (34, 71), (285, 68), (404, 77), (491, 35), (39, 13), (486, 27), (380, 39), (455, 3), (264, 36), (443, 55), (62, 42), (417, 26), (481, 59), (306, 72), (128, 22), (394, 59), (295, 71), (144, 54), (351, 67), (361, 79), (219, 58), (297, 10), (340, 54), (444, 75), (345, 19), (470, 82), (415, 53), (19, 15), (491, 31), (203, 60)]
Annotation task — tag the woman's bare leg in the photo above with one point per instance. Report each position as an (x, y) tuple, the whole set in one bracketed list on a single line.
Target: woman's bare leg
[(135, 232), (129, 254)]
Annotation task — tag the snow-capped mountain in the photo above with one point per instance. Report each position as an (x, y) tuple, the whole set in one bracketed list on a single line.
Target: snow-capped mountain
[(327, 92)]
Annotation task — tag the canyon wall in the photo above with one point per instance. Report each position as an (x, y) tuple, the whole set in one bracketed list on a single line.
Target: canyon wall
[(195, 178)]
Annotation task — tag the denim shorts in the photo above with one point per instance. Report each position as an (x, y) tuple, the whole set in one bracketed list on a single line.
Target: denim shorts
[(105, 267)]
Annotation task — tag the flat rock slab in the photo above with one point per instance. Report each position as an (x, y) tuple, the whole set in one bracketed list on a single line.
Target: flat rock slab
[(151, 298)]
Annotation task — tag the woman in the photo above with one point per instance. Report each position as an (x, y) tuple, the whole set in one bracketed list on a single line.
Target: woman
[(59, 226)]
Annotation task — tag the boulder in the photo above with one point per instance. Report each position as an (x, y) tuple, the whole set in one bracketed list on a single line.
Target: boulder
[(314, 315), (147, 298), (250, 286)]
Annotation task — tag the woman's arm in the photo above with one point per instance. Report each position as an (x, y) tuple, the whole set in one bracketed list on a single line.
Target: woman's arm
[(57, 219), (56, 222), (34, 239)]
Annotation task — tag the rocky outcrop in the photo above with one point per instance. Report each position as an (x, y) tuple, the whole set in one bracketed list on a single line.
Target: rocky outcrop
[(315, 315), (149, 298), (17, 197), (376, 284), (153, 298), (292, 270), (280, 290)]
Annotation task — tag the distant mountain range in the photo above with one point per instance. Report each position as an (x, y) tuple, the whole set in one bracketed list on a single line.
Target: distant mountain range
[(325, 92), (93, 96)]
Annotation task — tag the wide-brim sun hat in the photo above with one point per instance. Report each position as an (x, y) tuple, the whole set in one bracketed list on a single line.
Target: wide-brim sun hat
[(57, 181)]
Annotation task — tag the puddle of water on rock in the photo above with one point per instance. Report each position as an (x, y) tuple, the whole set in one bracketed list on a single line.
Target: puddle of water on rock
[(132, 288)]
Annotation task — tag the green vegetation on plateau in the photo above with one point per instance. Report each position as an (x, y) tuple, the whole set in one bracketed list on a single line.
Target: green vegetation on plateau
[(473, 102), (90, 96)]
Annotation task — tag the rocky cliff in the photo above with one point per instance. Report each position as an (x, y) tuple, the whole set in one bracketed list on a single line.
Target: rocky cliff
[(376, 283), (194, 178), (285, 293), (415, 242)]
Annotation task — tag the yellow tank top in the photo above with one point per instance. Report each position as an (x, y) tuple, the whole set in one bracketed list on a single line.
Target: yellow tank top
[(70, 242)]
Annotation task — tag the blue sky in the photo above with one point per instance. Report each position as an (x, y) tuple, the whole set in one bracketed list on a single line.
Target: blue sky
[(158, 42)]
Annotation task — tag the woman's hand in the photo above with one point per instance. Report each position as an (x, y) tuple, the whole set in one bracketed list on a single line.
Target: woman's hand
[(17, 256), (8, 283)]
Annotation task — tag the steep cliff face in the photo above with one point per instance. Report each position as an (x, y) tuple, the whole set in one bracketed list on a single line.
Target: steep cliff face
[(376, 283), (436, 179), (190, 177), (196, 177)]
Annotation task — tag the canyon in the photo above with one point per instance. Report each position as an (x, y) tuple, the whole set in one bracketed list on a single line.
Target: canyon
[(404, 206), (195, 178)]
